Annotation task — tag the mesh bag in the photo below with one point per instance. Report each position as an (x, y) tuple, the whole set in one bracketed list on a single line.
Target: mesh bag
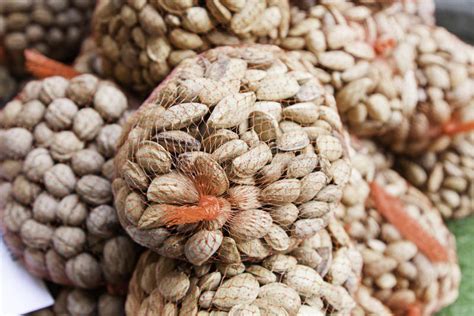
[(394, 76), (78, 302), (280, 285), (226, 156), (410, 261), (445, 172), (55, 28), (142, 41), (57, 142), (348, 41), (444, 71)]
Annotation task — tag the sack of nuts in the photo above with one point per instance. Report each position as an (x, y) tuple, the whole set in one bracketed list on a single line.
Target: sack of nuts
[(57, 143), (280, 285), (445, 172), (394, 77), (54, 28), (225, 158), (410, 261), (346, 41), (143, 40), (444, 69), (78, 302)]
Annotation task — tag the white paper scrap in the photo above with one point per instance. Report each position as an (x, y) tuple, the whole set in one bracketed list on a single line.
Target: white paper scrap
[(21, 292)]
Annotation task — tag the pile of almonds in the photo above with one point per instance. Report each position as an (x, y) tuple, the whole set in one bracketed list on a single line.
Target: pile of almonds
[(57, 143), (143, 40), (367, 304), (345, 40), (237, 156), (77, 302), (237, 172), (398, 273), (424, 8), (280, 285), (53, 27), (444, 72), (445, 173)]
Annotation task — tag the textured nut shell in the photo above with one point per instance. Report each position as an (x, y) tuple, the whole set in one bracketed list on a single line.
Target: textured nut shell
[(202, 245), (251, 224), (237, 290)]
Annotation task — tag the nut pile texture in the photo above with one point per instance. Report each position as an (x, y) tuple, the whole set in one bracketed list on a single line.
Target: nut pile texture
[(280, 285), (367, 304), (89, 60), (395, 270), (444, 71), (393, 76), (424, 8), (345, 40), (236, 156), (446, 173), (55, 28), (143, 40), (77, 302), (57, 144)]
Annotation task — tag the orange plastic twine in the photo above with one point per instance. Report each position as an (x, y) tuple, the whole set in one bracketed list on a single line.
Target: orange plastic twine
[(454, 127), (384, 44), (208, 209), (451, 128), (414, 309), (41, 66), (393, 210)]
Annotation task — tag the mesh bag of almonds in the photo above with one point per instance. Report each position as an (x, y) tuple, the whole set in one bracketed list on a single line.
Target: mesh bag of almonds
[(410, 261), (53, 27), (444, 72), (143, 40), (79, 302), (347, 42), (228, 155), (280, 285), (445, 172), (57, 143)]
